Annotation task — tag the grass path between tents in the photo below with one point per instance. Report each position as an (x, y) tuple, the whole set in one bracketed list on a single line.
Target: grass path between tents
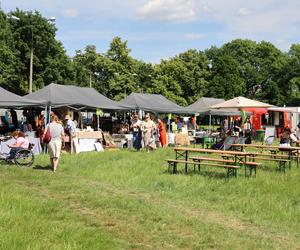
[(127, 200)]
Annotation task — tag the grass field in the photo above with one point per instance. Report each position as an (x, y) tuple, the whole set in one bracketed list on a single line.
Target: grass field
[(127, 200)]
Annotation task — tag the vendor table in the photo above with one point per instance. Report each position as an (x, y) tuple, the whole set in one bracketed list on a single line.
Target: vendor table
[(84, 141)]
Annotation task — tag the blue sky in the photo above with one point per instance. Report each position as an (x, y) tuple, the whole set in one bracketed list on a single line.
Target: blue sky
[(159, 29)]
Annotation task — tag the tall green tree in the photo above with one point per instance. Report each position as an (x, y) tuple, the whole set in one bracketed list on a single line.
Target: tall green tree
[(124, 80), (226, 80), (50, 62), (244, 67), (182, 78), (9, 63)]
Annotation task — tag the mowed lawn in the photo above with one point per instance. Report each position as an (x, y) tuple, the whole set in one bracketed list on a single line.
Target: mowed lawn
[(127, 200)]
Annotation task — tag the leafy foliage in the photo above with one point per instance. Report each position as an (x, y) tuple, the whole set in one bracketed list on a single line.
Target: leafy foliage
[(31, 31), (240, 67)]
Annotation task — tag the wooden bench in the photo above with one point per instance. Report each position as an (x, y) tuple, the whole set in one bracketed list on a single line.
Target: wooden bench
[(263, 157), (281, 162), (173, 164), (252, 165), (231, 169)]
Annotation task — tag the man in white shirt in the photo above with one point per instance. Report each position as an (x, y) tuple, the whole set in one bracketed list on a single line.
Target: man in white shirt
[(70, 125)]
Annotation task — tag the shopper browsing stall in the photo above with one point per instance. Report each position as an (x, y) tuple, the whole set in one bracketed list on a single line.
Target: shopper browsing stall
[(148, 133), (162, 132), (137, 133)]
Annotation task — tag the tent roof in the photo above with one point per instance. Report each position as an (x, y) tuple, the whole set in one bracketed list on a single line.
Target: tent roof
[(9, 99), (203, 104), (282, 109), (58, 95), (241, 102), (152, 102)]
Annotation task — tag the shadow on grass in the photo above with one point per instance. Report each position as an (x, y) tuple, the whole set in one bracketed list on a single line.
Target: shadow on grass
[(39, 167)]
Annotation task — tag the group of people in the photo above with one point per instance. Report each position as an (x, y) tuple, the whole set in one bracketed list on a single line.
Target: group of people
[(146, 132), (181, 125), (289, 136), (237, 127), (57, 134)]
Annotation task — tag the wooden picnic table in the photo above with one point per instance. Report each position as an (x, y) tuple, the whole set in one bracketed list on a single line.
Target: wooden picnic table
[(240, 158), (275, 149), (265, 147)]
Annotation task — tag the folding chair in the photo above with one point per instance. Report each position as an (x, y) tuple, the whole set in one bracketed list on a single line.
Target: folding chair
[(228, 142)]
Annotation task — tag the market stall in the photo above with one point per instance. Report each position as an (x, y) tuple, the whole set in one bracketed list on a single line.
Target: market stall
[(73, 101), (152, 103), (203, 107)]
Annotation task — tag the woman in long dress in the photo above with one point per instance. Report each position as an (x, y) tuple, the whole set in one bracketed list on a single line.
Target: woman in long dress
[(162, 132), (148, 129)]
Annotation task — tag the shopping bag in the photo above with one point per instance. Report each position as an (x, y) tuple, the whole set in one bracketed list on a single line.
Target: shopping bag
[(47, 137)]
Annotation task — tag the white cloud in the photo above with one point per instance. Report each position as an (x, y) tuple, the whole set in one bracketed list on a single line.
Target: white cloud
[(206, 8), (193, 36), (70, 13), (244, 12), (168, 10), (270, 20)]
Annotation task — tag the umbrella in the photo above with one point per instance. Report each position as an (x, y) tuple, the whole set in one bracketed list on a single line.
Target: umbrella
[(241, 102)]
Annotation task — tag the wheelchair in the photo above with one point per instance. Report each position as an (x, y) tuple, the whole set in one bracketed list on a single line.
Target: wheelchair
[(23, 157)]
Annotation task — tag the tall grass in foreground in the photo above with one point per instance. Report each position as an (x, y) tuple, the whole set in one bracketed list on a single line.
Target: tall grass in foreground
[(127, 200)]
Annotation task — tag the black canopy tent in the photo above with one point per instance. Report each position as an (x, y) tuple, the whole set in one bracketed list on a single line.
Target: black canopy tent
[(152, 103), (71, 96), (56, 95), (11, 100)]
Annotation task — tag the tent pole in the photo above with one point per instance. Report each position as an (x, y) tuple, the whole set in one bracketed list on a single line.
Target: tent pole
[(209, 122), (45, 123), (49, 117), (45, 115)]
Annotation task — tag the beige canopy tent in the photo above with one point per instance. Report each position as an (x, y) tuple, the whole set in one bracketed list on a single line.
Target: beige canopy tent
[(241, 102)]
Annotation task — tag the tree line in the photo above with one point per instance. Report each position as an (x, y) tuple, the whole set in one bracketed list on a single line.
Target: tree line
[(256, 70)]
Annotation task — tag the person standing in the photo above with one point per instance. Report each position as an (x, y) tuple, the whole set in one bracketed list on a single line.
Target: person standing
[(54, 146), (297, 132), (225, 125), (40, 126), (162, 132), (148, 129), (137, 133), (194, 122), (237, 126), (247, 129), (70, 125)]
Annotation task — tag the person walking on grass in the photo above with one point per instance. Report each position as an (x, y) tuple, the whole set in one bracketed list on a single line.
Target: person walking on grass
[(54, 146), (148, 129)]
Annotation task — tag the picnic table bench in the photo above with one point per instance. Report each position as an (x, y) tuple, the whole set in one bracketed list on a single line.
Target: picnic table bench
[(239, 159), (231, 169), (282, 155)]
